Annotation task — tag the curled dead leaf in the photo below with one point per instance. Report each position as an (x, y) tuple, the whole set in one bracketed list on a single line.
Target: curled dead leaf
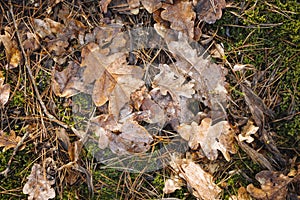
[(199, 180), (273, 186)]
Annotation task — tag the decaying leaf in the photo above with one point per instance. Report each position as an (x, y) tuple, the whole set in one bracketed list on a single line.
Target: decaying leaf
[(200, 181), (47, 27), (273, 186), (4, 91), (10, 140), (168, 81), (13, 54), (181, 16), (210, 11), (69, 81), (247, 131), (38, 187), (211, 138)]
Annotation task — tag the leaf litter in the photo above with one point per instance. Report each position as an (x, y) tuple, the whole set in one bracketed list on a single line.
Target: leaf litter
[(130, 106)]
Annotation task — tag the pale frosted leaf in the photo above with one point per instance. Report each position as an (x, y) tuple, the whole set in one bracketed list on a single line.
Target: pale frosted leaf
[(168, 81), (37, 186), (211, 138)]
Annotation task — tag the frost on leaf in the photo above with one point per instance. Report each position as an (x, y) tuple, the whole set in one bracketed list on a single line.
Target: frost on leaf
[(209, 77), (9, 141), (211, 138), (38, 187), (168, 81), (115, 80), (13, 55), (210, 11), (200, 181), (122, 138), (4, 91), (273, 186), (181, 16)]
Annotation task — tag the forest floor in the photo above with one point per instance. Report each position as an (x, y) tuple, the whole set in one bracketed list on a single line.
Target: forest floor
[(53, 103)]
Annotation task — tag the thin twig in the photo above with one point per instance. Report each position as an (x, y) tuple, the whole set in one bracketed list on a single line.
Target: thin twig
[(46, 112)]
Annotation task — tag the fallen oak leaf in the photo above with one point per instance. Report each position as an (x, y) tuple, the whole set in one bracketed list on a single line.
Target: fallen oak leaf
[(181, 15), (199, 180), (210, 137), (115, 80)]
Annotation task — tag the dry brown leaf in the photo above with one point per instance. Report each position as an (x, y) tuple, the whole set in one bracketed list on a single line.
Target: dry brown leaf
[(242, 195), (69, 81), (171, 185), (133, 139), (181, 15), (9, 141), (115, 80), (247, 131), (200, 181), (168, 81), (273, 186), (151, 5), (211, 138), (13, 55), (47, 27), (37, 186), (4, 91), (104, 4), (209, 11)]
